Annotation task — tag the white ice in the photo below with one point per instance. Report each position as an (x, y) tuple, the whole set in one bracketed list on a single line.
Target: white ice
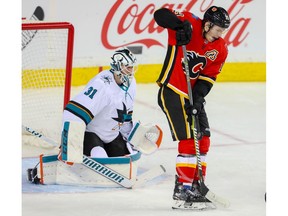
[(236, 163)]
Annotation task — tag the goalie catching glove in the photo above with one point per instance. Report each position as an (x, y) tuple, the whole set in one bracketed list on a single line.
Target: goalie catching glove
[(145, 138)]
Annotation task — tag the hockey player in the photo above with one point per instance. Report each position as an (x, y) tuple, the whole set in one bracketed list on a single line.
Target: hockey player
[(206, 53), (103, 110), (97, 124)]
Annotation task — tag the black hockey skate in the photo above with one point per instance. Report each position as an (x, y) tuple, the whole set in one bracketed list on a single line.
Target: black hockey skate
[(189, 199), (32, 176)]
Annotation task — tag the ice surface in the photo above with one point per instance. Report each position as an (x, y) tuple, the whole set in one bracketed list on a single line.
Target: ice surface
[(236, 163)]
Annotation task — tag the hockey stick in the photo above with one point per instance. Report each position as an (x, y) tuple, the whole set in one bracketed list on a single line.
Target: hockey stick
[(27, 36), (149, 175), (203, 188), (104, 170), (40, 136)]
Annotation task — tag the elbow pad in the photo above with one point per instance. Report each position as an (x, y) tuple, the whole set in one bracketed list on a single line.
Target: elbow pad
[(167, 19)]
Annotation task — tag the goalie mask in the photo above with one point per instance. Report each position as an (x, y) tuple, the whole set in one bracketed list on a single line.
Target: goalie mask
[(123, 64)]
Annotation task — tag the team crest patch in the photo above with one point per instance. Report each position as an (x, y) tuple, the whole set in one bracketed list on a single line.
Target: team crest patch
[(177, 13), (106, 79), (212, 54)]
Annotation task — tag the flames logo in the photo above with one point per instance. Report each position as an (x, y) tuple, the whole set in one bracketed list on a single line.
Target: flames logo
[(196, 63)]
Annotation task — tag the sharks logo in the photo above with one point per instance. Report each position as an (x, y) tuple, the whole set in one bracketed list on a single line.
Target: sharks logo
[(106, 79), (123, 115), (196, 63)]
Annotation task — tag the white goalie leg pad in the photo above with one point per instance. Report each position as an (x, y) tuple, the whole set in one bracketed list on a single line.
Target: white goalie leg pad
[(145, 138), (72, 141)]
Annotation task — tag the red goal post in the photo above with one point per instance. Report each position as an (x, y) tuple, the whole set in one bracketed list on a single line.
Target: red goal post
[(47, 62)]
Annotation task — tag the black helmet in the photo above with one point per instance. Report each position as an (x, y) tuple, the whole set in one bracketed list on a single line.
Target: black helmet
[(218, 16)]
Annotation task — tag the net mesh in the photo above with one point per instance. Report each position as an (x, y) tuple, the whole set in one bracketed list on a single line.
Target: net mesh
[(44, 55)]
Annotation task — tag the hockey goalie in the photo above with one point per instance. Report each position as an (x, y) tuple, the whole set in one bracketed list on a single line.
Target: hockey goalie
[(100, 143)]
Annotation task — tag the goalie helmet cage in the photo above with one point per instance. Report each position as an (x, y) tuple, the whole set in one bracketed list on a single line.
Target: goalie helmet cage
[(47, 57)]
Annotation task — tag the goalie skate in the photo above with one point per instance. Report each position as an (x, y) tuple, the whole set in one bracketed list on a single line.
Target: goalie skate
[(32, 176)]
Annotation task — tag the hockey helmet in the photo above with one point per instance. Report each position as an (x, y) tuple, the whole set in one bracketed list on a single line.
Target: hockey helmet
[(120, 61), (218, 16)]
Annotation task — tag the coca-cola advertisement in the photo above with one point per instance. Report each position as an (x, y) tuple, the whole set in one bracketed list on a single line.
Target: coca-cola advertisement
[(103, 26)]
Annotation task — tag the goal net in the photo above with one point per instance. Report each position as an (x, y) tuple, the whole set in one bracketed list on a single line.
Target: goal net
[(47, 55)]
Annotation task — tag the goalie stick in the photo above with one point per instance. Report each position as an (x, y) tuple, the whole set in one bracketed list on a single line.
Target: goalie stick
[(205, 191), (27, 36), (104, 170), (149, 175)]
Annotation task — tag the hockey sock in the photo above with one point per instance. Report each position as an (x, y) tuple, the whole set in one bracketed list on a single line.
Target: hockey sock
[(186, 161), (186, 168), (204, 166)]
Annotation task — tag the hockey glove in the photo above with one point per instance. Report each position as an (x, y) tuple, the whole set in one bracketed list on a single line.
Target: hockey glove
[(183, 33), (189, 119), (193, 110)]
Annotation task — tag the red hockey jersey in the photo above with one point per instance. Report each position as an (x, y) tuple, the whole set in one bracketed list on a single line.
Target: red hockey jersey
[(205, 58)]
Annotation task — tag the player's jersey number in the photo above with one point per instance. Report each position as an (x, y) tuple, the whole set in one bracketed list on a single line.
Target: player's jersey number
[(90, 92)]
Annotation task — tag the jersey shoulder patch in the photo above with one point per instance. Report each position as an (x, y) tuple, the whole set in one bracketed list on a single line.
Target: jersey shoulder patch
[(102, 80), (107, 79), (178, 13)]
